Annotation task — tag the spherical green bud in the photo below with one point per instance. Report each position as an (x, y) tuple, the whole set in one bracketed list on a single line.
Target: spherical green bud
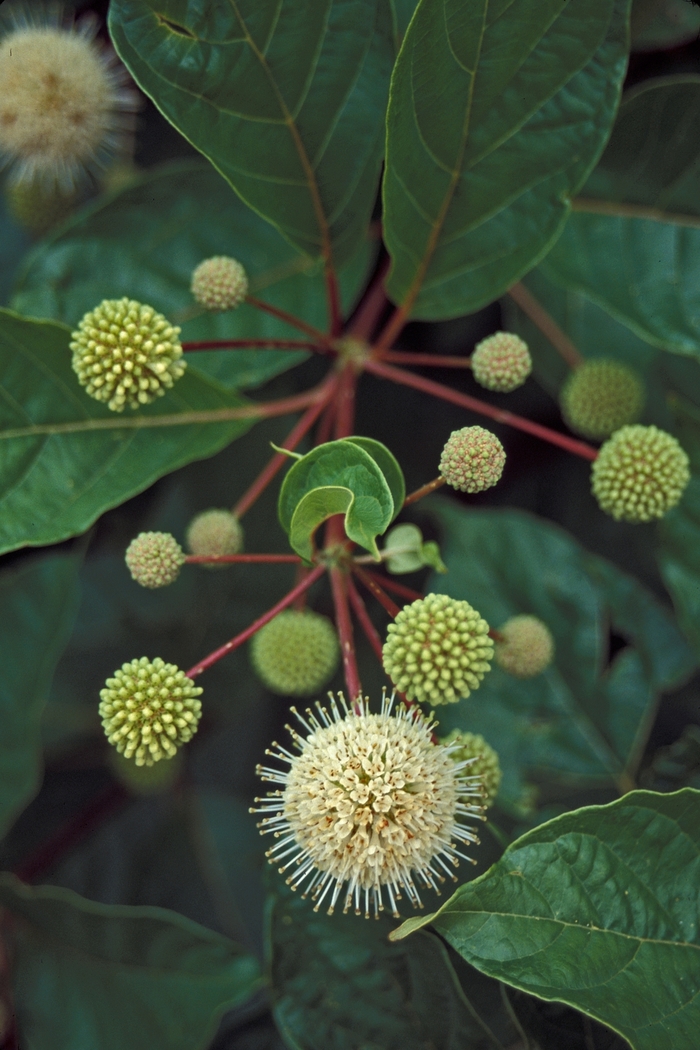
[(437, 650), (154, 559), (527, 647), (215, 532), (640, 474), (600, 397), (502, 362), (149, 709), (37, 206), (145, 780), (472, 459), (125, 353), (219, 283), (483, 760), (297, 653)]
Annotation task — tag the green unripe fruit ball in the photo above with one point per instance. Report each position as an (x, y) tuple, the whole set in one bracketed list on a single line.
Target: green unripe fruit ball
[(213, 533), (600, 397), (38, 207), (297, 653), (527, 647), (472, 459), (640, 474), (154, 559), (502, 362), (483, 761), (149, 709), (437, 650), (219, 283), (125, 353)]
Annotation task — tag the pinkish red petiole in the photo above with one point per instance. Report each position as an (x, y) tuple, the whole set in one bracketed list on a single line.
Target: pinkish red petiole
[(373, 587), (244, 559), (252, 344), (347, 642)]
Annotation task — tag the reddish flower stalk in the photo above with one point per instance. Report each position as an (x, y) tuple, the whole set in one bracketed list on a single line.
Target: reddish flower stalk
[(347, 643), (296, 322), (325, 427), (245, 559), (243, 637), (363, 618), (345, 402), (405, 357), (302, 572), (424, 490), (546, 324), (252, 344), (374, 588), (372, 306), (394, 586), (473, 404), (333, 294)]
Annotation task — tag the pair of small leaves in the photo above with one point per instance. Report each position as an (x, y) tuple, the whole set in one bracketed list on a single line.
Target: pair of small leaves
[(406, 551), (357, 477)]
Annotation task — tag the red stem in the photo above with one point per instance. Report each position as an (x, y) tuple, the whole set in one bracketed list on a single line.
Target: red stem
[(424, 490), (546, 324), (252, 344), (290, 319), (405, 357), (363, 618), (325, 427), (397, 375), (373, 304), (243, 637), (392, 328), (374, 588), (393, 585), (347, 643), (345, 402), (249, 559), (333, 293)]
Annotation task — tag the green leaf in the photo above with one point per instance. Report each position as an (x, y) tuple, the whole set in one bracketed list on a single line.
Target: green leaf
[(679, 560), (287, 99), (661, 24), (39, 601), (401, 14), (89, 975), (598, 909), (388, 464), (154, 232), (497, 113), (409, 551), (66, 458)]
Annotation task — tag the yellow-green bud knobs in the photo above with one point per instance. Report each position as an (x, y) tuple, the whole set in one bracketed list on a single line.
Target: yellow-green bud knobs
[(215, 532), (126, 353), (527, 647), (437, 650), (502, 362), (219, 283), (154, 559), (297, 653), (472, 459), (149, 709), (483, 761), (640, 474), (600, 397)]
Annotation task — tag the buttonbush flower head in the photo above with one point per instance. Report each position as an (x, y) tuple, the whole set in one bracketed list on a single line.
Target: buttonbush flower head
[(437, 650), (149, 709), (472, 459), (368, 803), (63, 102), (482, 759), (215, 532), (219, 283), (154, 559), (502, 362), (126, 353), (527, 647), (640, 474), (600, 397), (297, 653)]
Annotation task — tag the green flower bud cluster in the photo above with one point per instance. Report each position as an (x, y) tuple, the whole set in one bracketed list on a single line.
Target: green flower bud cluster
[(125, 353), (154, 559), (213, 533), (483, 760), (437, 650), (640, 474), (149, 709), (600, 397), (527, 647), (37, 206), (297, 653), (219, 283), (502, 362), (472, 459)]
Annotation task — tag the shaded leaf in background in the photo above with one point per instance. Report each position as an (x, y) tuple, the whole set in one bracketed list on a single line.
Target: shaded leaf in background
[(14, 242), (55, 484), (598, 909), (146, 240), (679, 560), (660, 24), (89, 975), (38, 603), (497, 114), (287, 99)]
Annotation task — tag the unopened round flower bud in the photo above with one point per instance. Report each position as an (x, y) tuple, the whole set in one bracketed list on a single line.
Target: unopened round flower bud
[(297, 653), (215, 532), (600, 397), (482, 759), (640, 474), (527, 647), (502, 362), (437, 650), (125, 353), (149, 709), (154, 559), (219, 283), (38, 207), (472, 459)]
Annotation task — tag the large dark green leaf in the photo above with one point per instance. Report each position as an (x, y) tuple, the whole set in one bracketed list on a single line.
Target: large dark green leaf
[(153, 233), (38, 603), (497, 113), (598, 909), (66, 458), (89, 975), (679, 560), (581, 721), (658, 24), (287, 99)]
